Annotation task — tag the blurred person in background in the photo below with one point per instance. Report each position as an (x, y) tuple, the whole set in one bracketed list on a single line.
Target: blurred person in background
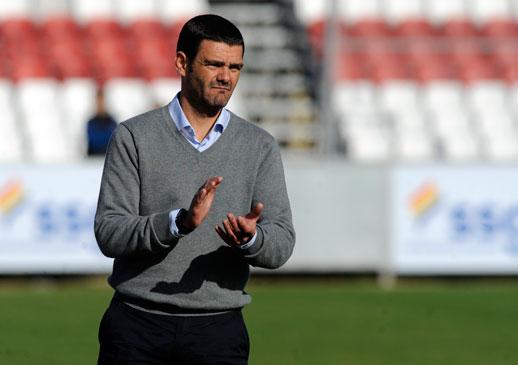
[(99, 128), (191, 196)]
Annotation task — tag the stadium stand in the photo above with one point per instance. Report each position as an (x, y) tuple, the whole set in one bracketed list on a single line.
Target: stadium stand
[(441, 72), (413, 80), (59, 52)]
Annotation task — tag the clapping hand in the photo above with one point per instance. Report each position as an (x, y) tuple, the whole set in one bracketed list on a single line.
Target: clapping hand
[(237, 231)]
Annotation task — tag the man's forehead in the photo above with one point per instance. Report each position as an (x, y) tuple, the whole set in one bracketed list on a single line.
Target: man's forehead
[(219, 50)]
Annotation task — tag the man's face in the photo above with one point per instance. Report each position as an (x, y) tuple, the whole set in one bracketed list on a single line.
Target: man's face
[(210, 78)]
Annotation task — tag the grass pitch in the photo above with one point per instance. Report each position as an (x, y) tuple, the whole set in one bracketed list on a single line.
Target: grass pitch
[(298, 322)]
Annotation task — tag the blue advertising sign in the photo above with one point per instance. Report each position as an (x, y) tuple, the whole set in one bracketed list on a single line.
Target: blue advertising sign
[(455, 220), (46, 219)]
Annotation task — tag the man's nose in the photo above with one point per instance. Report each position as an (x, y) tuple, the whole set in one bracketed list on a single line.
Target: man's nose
[(224, 75)]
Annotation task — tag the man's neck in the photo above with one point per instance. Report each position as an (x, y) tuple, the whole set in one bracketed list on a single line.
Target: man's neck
[(201, 122)]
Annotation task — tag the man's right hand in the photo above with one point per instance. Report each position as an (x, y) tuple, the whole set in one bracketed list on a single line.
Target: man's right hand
[(201, 203)]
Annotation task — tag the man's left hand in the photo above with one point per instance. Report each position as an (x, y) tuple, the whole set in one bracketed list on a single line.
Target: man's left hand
[(237, 231)]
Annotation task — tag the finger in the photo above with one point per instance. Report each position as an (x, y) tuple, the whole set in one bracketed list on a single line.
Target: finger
[(256, 211), (233, 221), (213, 182), (246, 226), (222, 234), (230, 232)]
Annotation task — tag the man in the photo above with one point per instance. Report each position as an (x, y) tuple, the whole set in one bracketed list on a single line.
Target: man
[(99, 128), (191, 195)]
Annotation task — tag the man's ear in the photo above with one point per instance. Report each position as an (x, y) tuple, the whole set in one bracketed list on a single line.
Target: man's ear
[(181, 63)]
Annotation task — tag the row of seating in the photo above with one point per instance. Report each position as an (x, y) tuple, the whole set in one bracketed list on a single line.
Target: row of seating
[(44, 120), (103, 49), (87, 10), (397, 10), (406, 120), (416, 49)]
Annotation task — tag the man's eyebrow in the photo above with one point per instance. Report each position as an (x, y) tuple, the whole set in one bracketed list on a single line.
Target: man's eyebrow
[(213, 62), (221, 63)]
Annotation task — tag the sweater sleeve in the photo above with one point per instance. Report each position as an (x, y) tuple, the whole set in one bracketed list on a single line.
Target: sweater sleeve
[(119, 228), (275, 233)]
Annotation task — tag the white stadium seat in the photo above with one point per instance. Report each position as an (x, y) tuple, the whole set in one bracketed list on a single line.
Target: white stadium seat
[(491, 123), (443, 10), (52, 8), (354, 10), (414, 145), (131, 10), (354, 97), (164, 90), (39, 107), (87, 10), (10, 141), (461, 148), (126, 98), (181, 10), (78, 104), (368, 145), (397, 96), (411, 119), (441, 95), (487, 95), (485, 10), (397, 10), (311, 11), (502, 148), (16, 9), (451, 122)]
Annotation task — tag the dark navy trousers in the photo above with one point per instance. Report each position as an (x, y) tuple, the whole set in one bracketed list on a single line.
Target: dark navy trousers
[(132, 336)]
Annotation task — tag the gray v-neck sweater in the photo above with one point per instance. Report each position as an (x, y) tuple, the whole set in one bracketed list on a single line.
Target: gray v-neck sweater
[(150, 169)]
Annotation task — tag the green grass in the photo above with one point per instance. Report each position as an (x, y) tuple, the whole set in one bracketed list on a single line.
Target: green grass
[(293, 322)]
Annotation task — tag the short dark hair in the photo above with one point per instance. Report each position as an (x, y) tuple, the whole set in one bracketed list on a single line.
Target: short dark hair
[(210, 27)]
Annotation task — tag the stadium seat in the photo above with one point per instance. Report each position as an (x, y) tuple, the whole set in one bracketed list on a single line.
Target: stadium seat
[(126, 97), (45, 9), (15, 9), (412, 119), (476, 69), (164, 89), (487, 95), (130, 10), (37, 96), (440, 11), (349, 67), (310, 12), (46, 132), (368, 144), (354, 97), (451, 123), (369, 28), (439, 95), (75, 113), (513, 98), (88, 10), (495, 123), (352, 11), (397, 96), (462, 147), (10, 141), (414, 145), (484, 10), (171, 11), (434, 69), (414, 28), (499, 28), (398, 10), (459, 28), (501, 148)]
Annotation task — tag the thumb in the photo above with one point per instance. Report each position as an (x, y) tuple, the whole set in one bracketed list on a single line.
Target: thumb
[(256, 211)]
